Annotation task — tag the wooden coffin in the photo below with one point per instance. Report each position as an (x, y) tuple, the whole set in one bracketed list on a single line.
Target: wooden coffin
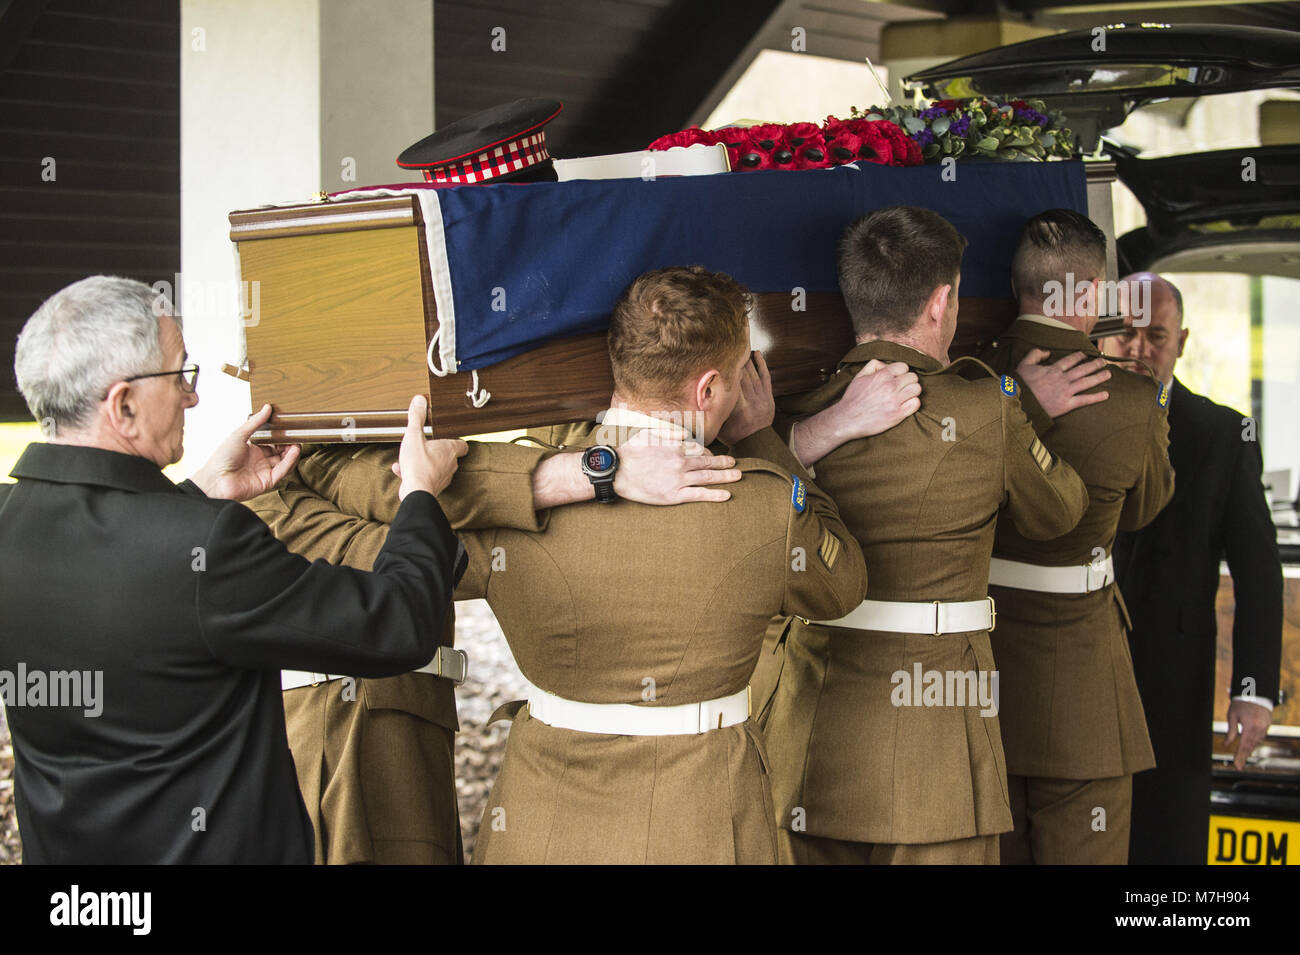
[(344, 316)]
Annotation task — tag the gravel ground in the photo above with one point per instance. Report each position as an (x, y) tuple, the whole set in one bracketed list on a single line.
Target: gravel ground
[(493, 679), (11, 848)]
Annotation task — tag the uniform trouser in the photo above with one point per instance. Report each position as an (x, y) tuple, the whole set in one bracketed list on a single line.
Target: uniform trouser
[(379, 784), (1068, 821), (800, 848)]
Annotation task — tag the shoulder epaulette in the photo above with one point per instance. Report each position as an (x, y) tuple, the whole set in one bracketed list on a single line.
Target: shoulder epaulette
[(1117, 359), (966, 366)]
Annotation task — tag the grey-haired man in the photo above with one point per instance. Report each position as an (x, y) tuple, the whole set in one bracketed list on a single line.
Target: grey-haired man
[(178, 599)]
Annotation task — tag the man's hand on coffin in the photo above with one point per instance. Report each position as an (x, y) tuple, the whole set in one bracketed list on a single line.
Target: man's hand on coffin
[(1060, 387), (239, 470), (755, 408), (879, 397), (425, 465), (654, 469)]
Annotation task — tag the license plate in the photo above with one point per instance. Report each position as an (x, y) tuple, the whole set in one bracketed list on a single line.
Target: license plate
[(1235, 840)]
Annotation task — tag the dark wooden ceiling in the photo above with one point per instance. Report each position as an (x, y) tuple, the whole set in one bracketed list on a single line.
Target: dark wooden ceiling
[(96, 88), (627, 71)]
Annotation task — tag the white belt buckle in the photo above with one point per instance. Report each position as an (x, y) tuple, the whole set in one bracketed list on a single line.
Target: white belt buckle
[(707, 714), (993, 613), (938, 630), (464, 665)]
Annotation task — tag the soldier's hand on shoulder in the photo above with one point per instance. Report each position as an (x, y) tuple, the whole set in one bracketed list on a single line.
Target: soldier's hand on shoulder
[(654, 469), (756, 408), (1060, 386), (425, 465), (879, 397)]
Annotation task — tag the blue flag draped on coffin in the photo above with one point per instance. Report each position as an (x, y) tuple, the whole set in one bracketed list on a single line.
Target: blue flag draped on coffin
[(518, 265)]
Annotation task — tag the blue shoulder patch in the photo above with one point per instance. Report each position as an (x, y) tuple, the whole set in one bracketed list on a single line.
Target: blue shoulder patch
[(799, 495), (1009, 386), (1162, 396)]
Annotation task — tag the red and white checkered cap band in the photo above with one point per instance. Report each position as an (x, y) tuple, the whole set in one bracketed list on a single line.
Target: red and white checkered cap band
[(498, 161)]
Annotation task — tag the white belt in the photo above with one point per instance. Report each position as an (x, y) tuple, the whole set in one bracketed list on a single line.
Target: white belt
[(935, 617), (447, 662), (1076, 579), (627, 719)]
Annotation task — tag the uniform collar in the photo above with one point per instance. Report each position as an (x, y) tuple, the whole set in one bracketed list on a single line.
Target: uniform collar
[(625, 419), (1049, 333), (888, 351), (1049, 322), (75, 464)]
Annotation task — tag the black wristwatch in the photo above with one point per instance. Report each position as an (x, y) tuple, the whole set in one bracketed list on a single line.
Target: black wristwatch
[(600, 464)]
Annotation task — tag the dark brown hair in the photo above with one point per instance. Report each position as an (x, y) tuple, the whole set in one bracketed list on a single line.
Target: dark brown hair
[(675, 323), (891, 261), (1053, 243)]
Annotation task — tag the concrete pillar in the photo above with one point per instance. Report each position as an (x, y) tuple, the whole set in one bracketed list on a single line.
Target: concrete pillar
[(279, 101)]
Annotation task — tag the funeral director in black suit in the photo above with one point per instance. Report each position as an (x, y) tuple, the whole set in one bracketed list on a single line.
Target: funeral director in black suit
[(145, 623), (1168, 573)]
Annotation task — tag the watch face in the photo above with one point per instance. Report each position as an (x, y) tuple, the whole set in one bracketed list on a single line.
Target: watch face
[(599, 460)]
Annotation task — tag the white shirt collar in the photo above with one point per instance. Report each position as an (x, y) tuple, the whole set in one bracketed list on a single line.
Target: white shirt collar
[(680, 425), (1044, 320)]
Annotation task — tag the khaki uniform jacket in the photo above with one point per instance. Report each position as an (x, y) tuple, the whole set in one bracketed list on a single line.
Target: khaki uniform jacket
[(923, 500), (1071, 708), (302, 513), (626, 603), (495, 488)]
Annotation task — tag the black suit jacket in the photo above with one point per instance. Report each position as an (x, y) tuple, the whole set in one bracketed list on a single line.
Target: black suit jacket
[(189, 608), (1169, 575)]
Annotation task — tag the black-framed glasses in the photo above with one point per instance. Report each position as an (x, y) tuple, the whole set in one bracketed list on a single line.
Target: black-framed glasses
[(189, 376)]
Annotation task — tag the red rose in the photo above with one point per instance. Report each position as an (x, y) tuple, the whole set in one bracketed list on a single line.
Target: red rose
[(733, 137), (948, 104), (843, 148), (813, 154), (914, 155), (876, 147), (767, 137), (803, 131), (687, 137), (750, 158), (903, 150), (857, 127)]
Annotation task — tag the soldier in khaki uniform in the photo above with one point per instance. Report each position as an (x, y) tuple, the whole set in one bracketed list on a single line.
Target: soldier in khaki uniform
[(375, 757), (639, 628), (1072, 721), (870, 763)]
